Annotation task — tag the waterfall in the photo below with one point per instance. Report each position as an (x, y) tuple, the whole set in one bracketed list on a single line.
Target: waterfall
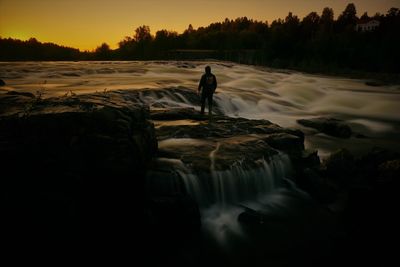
[(220, 192), (237, 184)]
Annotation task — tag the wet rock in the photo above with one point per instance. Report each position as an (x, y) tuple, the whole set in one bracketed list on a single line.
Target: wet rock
[(285, 142), (27, 94), (368, 165), (310, 159), (72, 168), (170, 209), (387, 183), (228, 141), (374, 83), (186, 65), (2, 83), (371, 208), (177, 114), (340, 167), (317, 186), (328, 126), (218, 154), (14, 104), (360, 136), (253, 217), (241, 150), (172, 216), (220, 127), (306, 159), (389, 172)]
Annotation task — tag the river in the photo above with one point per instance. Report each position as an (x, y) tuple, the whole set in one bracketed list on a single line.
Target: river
[(280, 96)]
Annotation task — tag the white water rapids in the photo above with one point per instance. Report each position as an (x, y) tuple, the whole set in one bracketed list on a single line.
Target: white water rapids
[(243, 91)]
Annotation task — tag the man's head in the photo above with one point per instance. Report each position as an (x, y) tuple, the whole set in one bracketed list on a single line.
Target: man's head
[(208, 69)]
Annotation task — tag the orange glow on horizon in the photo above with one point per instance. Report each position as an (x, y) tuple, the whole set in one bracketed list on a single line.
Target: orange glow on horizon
[(87, 24)]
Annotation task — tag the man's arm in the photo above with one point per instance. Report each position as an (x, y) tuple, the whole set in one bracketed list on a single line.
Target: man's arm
[(201, 83), (215, 83)]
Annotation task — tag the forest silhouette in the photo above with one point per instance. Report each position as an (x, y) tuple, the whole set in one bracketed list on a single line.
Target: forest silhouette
[(315, 43)]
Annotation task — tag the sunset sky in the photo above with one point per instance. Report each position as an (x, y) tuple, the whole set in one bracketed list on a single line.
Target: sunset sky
[(85, 24)]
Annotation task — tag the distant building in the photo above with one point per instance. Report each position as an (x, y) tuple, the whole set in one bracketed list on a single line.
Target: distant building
[(367, 26)]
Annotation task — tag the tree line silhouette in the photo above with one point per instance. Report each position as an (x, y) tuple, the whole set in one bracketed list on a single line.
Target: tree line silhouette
[(315, 43)]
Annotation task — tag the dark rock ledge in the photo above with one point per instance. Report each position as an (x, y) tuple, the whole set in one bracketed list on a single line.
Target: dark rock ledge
[(329, 126), (73, 167)]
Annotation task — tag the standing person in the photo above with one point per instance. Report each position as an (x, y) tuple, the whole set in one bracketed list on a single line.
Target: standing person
[(209, 83)]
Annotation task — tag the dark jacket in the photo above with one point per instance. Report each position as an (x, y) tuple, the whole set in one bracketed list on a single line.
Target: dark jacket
[(209, 82)]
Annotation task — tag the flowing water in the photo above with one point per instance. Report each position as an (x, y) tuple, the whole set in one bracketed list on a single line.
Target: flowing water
[(243, 91)]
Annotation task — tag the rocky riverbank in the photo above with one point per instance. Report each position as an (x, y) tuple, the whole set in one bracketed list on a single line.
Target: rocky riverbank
[(72, 167), (89, 167)]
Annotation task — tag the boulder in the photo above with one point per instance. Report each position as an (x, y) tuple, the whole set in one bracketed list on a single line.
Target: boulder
[(368, 164), (177, 114), (27, 94), (73, 163), (230, 141), (329, 126), (389, 172), (285, 142), (310, 159), (372, 206), (170, 210), (2, 83), (251, 216), (317, 186), (340, 167)]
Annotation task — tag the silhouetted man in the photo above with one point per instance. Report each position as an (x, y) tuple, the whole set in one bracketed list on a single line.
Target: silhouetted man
[(209, 83)]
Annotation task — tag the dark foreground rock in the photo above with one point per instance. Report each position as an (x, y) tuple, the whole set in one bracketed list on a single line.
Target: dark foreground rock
[(2, 83), (328, 126), (363, 193), (73, 167)]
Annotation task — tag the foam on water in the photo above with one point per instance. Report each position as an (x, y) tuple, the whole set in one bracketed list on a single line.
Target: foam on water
[(220, 193), (244, 91)]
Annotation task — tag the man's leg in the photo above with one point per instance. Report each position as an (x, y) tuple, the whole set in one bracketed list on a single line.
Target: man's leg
[(210, 103), (203, 102)]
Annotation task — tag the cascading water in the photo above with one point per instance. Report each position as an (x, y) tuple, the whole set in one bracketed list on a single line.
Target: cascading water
[(222, 190), (220, 193), (241, 184), (237, 184)]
